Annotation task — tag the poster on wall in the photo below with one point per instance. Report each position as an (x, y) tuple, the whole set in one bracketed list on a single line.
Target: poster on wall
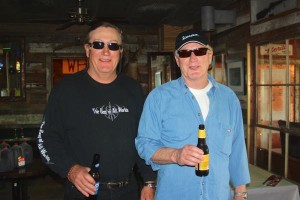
[(73, 65), (236, 76)]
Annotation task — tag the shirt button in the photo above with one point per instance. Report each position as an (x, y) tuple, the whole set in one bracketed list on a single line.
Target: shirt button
[(199, 114), (203, 183)]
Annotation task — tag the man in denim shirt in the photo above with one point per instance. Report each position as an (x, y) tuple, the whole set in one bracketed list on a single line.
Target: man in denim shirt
[(168, 128)]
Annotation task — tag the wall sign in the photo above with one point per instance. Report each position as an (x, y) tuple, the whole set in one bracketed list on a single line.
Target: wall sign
[(276, 49)]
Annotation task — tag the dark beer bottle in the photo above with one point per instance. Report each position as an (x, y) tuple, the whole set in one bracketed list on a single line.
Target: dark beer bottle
[(202, 168), (94, 172)]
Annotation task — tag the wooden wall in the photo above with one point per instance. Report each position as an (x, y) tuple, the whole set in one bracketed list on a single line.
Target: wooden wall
[(167, 36), (233, 43)]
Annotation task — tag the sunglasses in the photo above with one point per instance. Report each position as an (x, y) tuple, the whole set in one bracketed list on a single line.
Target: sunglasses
[(111, 45), (188, 53), (272, 180)]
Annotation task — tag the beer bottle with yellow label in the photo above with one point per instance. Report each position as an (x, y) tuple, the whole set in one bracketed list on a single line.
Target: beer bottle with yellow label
[(202, 168)]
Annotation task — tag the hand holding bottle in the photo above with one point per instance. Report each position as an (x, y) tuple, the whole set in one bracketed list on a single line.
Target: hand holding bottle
[(95, 174), (82, 180), (188, 155)]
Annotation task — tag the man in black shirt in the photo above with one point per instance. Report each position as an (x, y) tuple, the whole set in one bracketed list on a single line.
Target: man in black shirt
[(96, 111)]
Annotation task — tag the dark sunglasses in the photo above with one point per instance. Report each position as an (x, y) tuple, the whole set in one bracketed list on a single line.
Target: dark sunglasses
[(188, 53), (272, 180), (111, 45)]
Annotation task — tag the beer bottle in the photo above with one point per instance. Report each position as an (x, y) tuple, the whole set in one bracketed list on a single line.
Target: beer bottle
[(94, 172), (202, 168)]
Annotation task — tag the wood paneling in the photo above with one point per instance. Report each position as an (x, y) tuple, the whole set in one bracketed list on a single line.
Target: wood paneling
[(233, 43), (167, 36)]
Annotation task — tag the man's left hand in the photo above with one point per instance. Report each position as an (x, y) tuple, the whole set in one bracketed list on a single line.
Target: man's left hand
[(147, 193)]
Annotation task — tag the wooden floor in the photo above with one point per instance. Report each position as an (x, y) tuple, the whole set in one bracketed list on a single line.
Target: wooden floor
[(42, 188)]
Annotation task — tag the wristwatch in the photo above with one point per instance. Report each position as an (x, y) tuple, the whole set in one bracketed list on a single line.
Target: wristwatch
[(244, 195), (151, 185)]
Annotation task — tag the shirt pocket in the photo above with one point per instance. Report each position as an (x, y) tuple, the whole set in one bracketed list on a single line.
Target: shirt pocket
[(220, 136)]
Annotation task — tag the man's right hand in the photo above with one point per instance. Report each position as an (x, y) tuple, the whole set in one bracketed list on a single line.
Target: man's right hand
[(188, 155), (82, 180)]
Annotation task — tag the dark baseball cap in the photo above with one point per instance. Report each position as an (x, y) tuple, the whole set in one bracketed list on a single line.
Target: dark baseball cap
[(189, 36)]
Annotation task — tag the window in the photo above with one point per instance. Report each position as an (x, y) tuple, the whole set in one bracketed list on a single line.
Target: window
[(277, 84)]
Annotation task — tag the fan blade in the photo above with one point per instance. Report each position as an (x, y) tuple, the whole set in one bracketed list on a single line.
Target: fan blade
[(66, 25)]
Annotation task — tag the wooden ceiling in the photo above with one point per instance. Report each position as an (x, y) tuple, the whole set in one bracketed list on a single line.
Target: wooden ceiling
[(135, 12)]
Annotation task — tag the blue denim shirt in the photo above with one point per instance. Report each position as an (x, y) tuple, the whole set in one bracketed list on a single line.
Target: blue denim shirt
[(171, 117)]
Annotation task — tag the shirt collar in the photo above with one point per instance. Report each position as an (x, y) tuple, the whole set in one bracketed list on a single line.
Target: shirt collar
[(185, 88)]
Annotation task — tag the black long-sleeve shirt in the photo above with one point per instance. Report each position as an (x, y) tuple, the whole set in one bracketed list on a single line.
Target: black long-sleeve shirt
[(84, 117)]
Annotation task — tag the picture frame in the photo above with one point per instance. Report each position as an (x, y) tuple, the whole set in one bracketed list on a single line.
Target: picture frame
[(161, 68), (236, 76)]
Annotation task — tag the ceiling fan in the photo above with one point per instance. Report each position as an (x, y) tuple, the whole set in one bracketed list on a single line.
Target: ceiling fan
[(79, 16)]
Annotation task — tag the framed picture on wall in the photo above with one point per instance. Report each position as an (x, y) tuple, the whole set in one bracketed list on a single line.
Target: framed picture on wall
[(161, 68), (236, 76)]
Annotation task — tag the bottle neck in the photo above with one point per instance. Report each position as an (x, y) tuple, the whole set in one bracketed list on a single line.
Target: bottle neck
[(96, 166), (202, 140), (202, 134)]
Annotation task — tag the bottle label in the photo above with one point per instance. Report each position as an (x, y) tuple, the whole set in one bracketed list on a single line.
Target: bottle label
[(204, 165), (97, 184), (21, 161)]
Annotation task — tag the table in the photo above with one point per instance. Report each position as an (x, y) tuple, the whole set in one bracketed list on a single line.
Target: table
[(18, 178), (19, 139), (284, 190)]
